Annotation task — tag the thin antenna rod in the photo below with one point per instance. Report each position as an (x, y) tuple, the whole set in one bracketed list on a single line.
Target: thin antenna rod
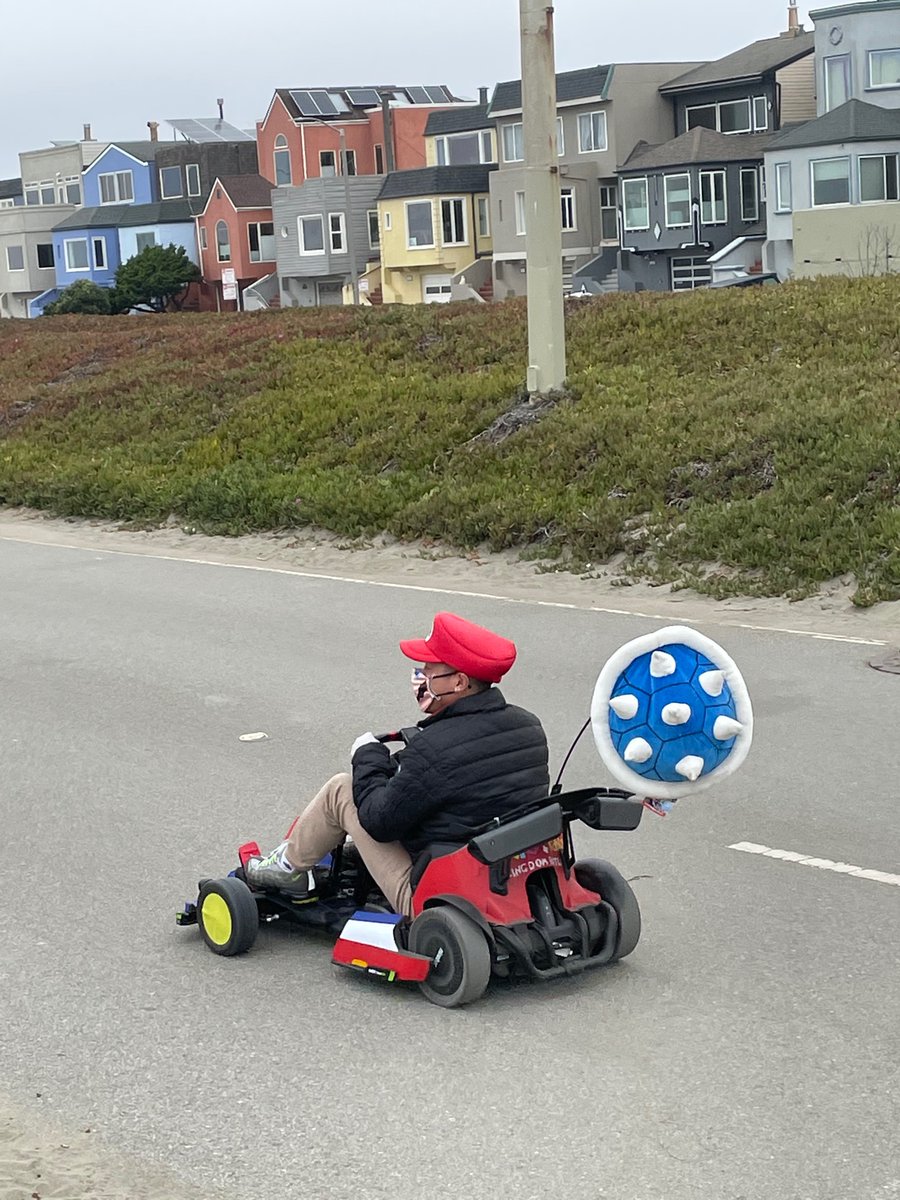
[(555, 787)]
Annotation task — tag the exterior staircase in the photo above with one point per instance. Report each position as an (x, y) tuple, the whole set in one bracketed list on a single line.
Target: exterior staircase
[(486, 291), (376, 296), (568, 272)]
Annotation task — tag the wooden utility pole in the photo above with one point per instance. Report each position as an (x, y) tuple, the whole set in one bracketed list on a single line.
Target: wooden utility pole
[(543, 219)]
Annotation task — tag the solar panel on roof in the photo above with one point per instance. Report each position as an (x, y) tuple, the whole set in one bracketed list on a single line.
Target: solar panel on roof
[(438, 95), (327, 107), (363, 97), (209, 129), (305, 104), (418, 95)]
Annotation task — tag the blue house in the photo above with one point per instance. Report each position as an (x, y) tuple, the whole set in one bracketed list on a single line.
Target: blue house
[(123, 174), (93, 242)]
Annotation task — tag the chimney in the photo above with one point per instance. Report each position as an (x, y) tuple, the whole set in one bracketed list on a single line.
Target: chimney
[(86, 134), (221, 104), (794, 26), (153, 126), (482, 96)]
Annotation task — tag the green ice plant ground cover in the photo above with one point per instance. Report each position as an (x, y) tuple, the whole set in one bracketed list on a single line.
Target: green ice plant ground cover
[(737, 441)]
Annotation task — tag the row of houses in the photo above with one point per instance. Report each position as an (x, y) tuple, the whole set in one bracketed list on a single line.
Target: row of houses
[(780, 159)]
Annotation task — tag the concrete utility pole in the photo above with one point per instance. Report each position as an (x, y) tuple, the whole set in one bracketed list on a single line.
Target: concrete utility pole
[(348, 218), (543, 219)]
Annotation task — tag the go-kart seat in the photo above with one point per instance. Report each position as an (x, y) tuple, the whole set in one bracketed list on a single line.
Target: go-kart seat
[(432, 851)]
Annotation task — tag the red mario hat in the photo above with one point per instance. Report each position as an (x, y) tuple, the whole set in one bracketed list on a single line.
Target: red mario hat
[(470, 648)]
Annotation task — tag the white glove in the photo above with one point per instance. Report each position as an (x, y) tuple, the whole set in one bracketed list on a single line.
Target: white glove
[(364, 739)]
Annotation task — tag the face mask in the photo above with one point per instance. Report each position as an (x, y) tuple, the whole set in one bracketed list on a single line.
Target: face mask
[(425, 697)]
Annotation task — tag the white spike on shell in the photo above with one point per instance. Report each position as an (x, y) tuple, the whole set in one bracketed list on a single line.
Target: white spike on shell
[(676, 714), (624, 706), (712, 682), (726, 728), (638, 750), (661, 664), (690, 767)]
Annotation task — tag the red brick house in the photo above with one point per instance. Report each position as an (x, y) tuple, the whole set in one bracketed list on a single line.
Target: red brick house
[(235, 233)]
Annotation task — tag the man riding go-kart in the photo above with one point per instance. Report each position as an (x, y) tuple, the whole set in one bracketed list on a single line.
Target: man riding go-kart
[(460, 862)]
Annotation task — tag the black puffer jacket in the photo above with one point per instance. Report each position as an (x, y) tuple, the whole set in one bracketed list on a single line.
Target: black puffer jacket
[(478, 759)]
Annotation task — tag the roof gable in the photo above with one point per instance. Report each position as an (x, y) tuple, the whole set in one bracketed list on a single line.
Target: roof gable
[(588, 84), (458, 120), (698, 146), (244, 191), (854, 121), (140, 152), (751, 62), (437, 181)]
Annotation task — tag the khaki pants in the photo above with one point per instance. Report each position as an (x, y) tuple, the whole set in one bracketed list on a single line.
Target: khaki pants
[(321, 827)]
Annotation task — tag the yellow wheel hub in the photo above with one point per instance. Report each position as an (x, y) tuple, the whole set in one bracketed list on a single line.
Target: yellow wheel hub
[(216, 917)]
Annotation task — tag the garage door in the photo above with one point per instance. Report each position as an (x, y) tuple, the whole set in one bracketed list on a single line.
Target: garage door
[(330, 293), (436, 289)]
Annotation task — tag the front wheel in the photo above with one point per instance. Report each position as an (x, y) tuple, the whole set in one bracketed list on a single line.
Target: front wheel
[(227, 916), (459, 952), (611, 885)]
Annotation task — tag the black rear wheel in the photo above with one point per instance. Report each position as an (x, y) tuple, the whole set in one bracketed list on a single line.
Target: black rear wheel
[(611, 885), (460, 955)]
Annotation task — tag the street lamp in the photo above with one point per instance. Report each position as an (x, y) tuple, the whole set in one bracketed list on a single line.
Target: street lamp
[(543, 224)]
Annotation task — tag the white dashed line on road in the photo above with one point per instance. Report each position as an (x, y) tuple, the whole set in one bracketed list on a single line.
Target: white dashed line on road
[(823, 864)]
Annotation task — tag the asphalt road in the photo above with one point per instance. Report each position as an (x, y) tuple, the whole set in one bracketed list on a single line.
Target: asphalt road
[(747, 1050)]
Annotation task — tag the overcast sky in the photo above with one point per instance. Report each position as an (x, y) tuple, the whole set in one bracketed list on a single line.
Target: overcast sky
[(118, 65)]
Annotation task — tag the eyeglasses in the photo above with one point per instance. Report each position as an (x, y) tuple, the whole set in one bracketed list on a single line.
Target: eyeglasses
[(419, 675)]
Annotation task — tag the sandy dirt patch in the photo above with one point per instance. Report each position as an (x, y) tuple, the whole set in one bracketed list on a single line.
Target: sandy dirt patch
[(418, 564)]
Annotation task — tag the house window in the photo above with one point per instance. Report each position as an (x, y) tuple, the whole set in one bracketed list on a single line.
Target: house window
[(830, 181), (484, 217), (32, 194), (374, 229), (388, 222), (520, 213), (560, 137), (45, 259), (312, 235), (282, 159), (48, 193), (193, 179), (461, 149), (609, 225), (117, 187), (143, 241), (73, 192), (223, 242), (783, 201), (884, 68), (749, 194), (337, 232), (730, 116), (262, 241), (453, 223), (713, 206), (635, 204), (350, 157), (419, 224), (678, 201), (15, 258), (379, 160), (567, 199), (170, 183), (76, 254), (690, 273), (837, 81), (513, 143), (591, 132), (878, 177), (98, 245), (204, 243), (327, 164)]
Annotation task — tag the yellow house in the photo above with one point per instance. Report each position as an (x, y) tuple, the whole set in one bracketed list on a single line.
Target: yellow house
[(435, 224), (459, 136)]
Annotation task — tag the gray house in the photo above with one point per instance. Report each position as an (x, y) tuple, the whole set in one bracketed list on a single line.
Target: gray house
[(858, 53), (693, 208), (313, 227), (603, 112)]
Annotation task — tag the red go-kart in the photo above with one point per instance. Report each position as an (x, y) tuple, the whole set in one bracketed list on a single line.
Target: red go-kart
[(512, 900)]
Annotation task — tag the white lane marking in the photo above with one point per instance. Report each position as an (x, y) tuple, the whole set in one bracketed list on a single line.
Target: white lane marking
[(449, 591), (824, 864)]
